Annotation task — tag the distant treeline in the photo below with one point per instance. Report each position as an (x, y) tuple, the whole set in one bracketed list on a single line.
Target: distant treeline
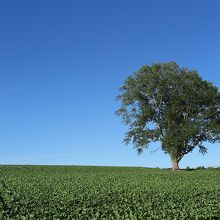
[(198, 168)]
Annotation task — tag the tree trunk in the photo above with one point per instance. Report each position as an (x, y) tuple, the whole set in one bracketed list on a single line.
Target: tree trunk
[(175, 164)]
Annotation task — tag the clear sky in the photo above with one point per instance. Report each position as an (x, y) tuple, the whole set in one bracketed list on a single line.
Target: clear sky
[(61, 63)]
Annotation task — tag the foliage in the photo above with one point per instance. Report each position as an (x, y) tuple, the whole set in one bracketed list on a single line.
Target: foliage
[(200, 168), (173, 105), (62, 192), (188, 168)]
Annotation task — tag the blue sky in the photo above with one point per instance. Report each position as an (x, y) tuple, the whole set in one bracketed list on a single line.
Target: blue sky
[(61, 63)]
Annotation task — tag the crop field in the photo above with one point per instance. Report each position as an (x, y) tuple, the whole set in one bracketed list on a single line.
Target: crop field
[(77, 192)]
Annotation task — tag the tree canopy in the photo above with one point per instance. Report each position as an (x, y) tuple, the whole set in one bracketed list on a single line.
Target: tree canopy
[(164, 102)]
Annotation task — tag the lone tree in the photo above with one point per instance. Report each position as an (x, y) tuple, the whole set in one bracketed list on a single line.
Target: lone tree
[(173, 105)]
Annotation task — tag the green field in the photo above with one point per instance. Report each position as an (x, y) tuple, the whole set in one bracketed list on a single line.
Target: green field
[(77, 192)]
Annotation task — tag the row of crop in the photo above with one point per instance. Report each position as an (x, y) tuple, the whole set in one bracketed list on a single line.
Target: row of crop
[(91, 193)]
